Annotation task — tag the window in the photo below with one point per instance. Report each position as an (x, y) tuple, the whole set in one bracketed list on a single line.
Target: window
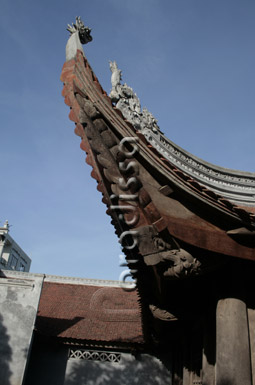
[(14, 262), (22, 267), (94, 355), (3, 261)]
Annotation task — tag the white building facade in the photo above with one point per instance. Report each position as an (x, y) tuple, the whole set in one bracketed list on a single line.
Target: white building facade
[(12, 257)]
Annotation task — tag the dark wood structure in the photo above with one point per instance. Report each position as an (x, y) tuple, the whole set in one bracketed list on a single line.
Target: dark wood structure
[(188, 231)]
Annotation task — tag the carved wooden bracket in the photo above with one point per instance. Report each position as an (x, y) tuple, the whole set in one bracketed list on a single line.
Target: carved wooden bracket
[(173, 261)]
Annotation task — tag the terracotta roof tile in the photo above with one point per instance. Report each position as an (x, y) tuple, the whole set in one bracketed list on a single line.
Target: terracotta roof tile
[(89, 313)]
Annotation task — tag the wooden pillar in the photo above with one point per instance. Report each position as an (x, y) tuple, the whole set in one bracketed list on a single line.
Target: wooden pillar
[(233, 365)]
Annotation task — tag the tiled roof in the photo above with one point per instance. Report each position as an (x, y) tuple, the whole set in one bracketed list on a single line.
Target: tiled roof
[(89, 313)]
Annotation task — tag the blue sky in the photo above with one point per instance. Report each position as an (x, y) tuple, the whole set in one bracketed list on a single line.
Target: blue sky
[(191, 63)]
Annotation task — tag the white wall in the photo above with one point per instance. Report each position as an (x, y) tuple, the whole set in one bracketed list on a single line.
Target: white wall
[(19, 299)]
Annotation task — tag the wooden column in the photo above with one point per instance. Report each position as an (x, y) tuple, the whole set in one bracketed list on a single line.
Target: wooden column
[(233, 366)]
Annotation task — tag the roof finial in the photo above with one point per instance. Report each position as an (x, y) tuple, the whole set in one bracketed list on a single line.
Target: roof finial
[(84, 32)]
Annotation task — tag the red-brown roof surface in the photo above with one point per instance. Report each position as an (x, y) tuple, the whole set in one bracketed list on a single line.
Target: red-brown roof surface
[(92, 313)]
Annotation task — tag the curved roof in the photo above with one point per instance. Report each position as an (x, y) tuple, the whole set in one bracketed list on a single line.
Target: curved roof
[(236, 186), (202, 205)]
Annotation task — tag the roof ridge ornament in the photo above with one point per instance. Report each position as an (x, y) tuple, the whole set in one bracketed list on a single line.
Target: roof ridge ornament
[(79, 34), (84, 32), (232, 185), (129, 104)]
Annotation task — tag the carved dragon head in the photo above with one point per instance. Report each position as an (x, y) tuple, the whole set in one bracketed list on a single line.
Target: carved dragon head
[(84, 32)]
